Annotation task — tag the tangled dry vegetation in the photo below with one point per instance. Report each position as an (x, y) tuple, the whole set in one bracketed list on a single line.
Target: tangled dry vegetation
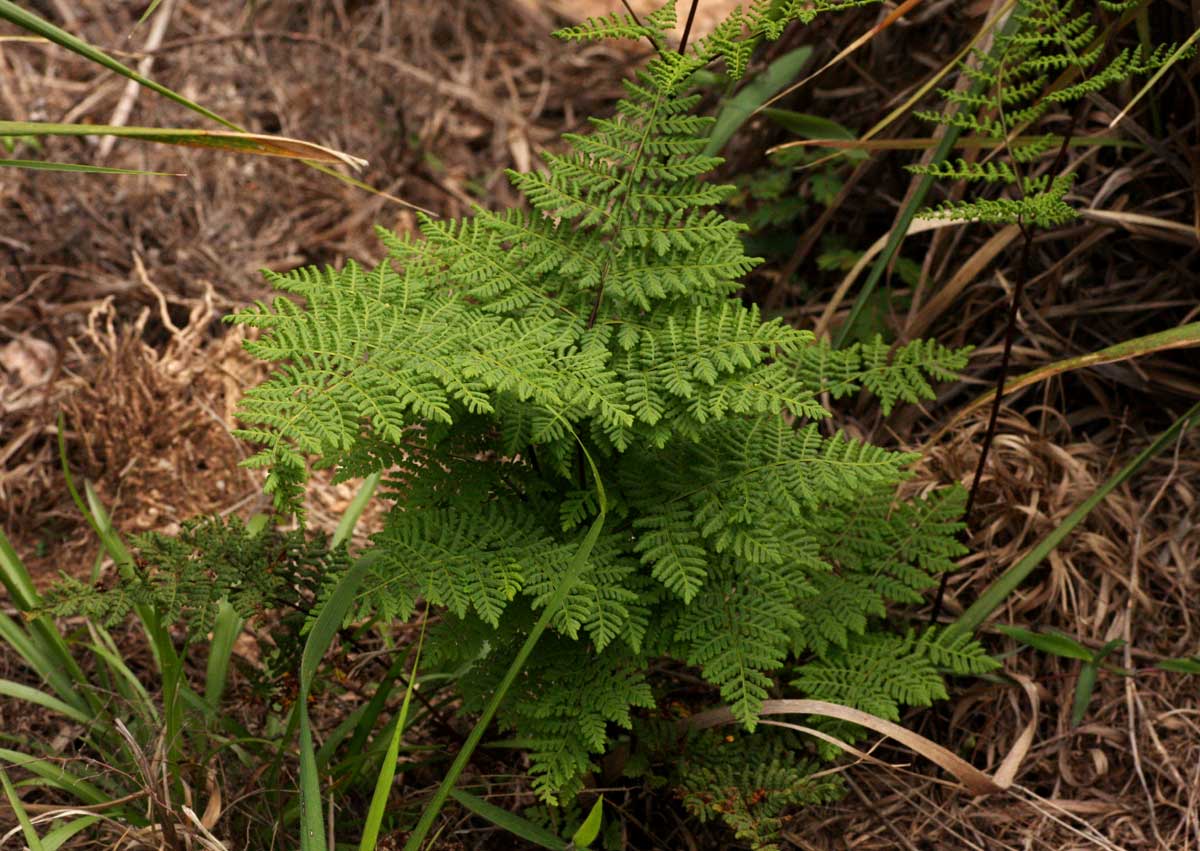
[(111, 290)]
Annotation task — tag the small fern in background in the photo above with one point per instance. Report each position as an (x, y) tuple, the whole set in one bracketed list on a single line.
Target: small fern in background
[(1051, 58), (752, 783)]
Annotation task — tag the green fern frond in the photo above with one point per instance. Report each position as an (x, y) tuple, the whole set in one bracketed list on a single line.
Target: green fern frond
[(1050, 58), (477, 364)]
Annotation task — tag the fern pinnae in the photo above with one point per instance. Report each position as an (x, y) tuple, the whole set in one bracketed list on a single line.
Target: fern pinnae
[(485, 359)]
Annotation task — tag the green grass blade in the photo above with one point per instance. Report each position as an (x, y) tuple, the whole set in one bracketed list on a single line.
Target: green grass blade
[(29, 694), (1084, 686), (754, 94), (1184, 665), (124, 679), (15, 577), (42, 646), (227, 625), (80, 168), (899, 230), (387, 772), (324, 628), (35, 656), (350, 518), (32, 840), (169, 664), (513, 823), (996, 593), (1054, 643), (578, 561), (590, 829), (57, 837), (55, 775), (146, 14), (31, 22)]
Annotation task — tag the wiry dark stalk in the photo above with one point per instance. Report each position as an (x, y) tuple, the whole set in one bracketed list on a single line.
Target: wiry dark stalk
[(1010, 332), (687, 27), (1002, 377)]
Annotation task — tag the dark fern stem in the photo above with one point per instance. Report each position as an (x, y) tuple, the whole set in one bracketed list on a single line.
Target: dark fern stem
[(1005, 358), (687, 27)]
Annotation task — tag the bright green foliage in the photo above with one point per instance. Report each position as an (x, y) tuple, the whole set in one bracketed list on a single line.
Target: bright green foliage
[(1051, 59), (479, 360)]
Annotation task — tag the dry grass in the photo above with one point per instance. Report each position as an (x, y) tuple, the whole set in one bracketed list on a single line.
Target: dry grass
[(110, 288)]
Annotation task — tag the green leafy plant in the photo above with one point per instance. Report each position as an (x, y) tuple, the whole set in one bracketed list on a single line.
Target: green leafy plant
[(502, 368), (751, 783), (1051, 59)]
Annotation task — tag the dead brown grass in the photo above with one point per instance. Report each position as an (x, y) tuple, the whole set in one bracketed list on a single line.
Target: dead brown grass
[(110, 288)]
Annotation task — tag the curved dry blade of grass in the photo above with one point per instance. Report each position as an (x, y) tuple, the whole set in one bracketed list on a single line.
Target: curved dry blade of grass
[(260, 144), (881, 244), (1183, 337), (995, 594), (980, 259), (1134, 222), (976, 781)]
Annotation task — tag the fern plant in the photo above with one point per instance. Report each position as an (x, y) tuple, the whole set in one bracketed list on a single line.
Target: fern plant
[(489, 361), (1052, 57)]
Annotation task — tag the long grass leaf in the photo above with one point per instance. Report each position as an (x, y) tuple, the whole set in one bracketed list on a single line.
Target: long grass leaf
[(345, 526), (741, 106), (227, 626), (43, 646), (30, 22), (59, 836), (324, 628), (32, 840), (387, 772), (238, 142), (29, 694), (53, 774), (81, 168), (1181, 337), (516, 825), (578, 561)]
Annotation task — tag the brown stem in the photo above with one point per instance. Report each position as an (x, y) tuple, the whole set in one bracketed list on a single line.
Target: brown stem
[(1002, 377), (687, 27)]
